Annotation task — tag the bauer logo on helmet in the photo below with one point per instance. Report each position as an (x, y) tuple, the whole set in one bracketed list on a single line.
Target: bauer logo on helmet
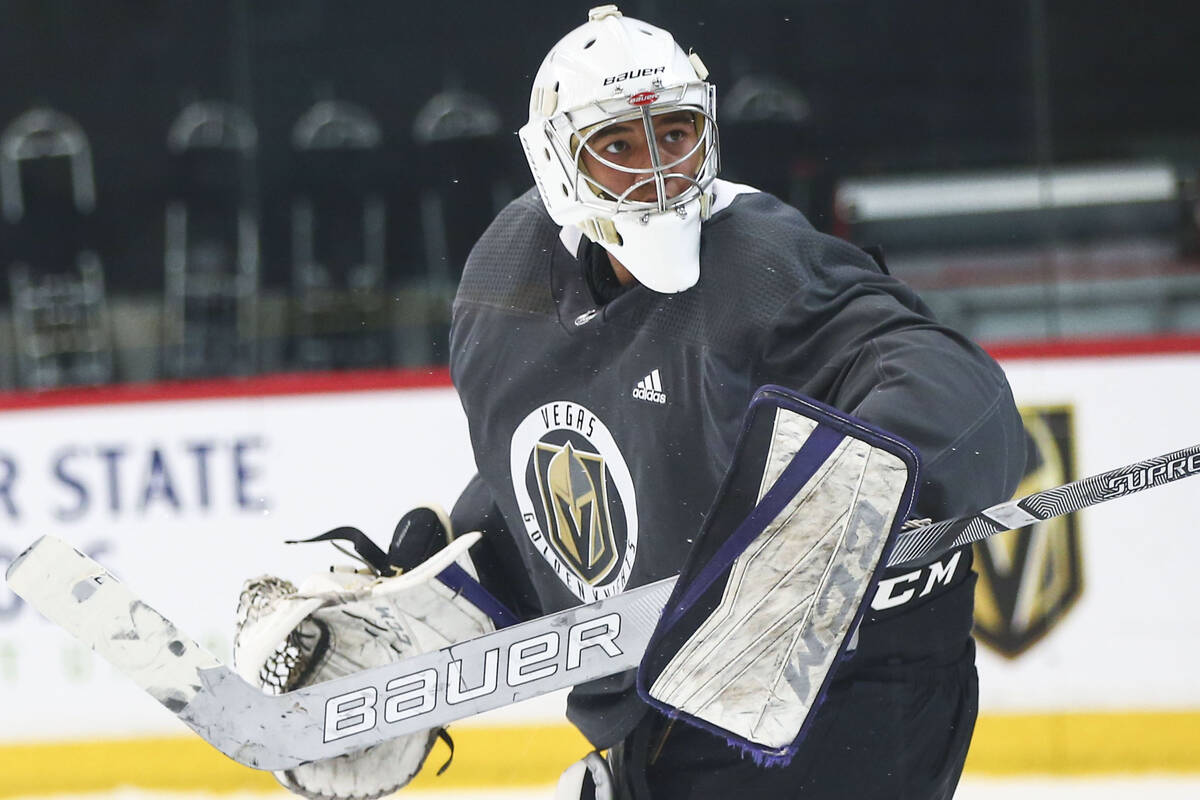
[(633, 73)]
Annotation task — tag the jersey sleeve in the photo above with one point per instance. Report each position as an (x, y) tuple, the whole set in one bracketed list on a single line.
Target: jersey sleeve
[(863, 342), (497, 560)]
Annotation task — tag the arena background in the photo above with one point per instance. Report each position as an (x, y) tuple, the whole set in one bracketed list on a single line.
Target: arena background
[(230, 234)]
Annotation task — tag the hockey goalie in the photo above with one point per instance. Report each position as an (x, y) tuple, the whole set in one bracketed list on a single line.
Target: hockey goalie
[(611, 328)]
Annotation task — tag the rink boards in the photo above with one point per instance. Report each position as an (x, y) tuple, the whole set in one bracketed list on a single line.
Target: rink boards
[(186, 490)]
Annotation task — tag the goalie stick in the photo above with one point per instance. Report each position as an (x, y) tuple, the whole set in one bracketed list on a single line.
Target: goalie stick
[(526, 660)]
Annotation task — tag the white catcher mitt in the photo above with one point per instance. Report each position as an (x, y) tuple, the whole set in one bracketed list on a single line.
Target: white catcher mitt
[(340, 622)]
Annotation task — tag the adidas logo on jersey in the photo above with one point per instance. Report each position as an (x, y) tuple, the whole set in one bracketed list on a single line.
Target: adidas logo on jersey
[(649, 389)]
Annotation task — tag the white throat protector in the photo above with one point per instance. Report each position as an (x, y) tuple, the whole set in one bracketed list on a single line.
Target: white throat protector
[(614, 70)]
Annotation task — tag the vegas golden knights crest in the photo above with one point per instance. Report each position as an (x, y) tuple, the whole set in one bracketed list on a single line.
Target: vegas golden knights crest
[(574, 492), (1029, 578), (576, 498)]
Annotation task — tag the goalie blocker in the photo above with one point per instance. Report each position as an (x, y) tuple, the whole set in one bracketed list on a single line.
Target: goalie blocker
[(780, 575)]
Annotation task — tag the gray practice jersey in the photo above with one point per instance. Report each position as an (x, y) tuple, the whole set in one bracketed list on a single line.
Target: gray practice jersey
[(601, 434)]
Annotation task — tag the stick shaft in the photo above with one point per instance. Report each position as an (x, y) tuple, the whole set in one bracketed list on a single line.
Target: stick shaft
[(921, 544)]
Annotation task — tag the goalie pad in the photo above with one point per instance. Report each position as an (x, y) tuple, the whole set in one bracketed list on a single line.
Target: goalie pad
[(778, 579), (341, 622)]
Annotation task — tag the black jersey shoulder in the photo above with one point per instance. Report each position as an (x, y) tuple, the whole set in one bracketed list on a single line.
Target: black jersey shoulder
[(756, 255), (767, 248), (509, 267)]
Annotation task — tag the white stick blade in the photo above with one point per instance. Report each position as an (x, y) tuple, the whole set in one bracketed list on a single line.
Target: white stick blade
[(83, 598)]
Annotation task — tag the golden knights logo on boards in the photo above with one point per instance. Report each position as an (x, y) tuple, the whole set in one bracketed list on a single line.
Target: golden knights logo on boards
[(1030, 578), (576, 498)]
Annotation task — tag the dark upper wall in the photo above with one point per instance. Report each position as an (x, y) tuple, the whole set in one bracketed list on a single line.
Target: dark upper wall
[(919, 84)]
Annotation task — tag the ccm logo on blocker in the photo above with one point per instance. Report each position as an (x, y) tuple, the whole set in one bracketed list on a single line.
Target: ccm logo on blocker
[(418, 693)]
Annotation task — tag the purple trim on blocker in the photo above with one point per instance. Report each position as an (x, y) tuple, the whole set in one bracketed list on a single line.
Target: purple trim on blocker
[(779, 397), (808, 459), (461, 581)]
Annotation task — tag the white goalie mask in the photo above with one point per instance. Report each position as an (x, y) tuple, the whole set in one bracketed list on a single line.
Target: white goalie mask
[(618, 71)]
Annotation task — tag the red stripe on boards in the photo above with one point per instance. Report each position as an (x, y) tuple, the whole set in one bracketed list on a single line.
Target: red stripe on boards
[(303, 383), (299, 383)]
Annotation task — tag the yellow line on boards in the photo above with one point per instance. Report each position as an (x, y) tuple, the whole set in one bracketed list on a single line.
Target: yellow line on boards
[(1086, 743), (530, 755)]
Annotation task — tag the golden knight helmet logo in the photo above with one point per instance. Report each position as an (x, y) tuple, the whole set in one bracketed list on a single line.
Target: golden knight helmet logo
[(575, 500)]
